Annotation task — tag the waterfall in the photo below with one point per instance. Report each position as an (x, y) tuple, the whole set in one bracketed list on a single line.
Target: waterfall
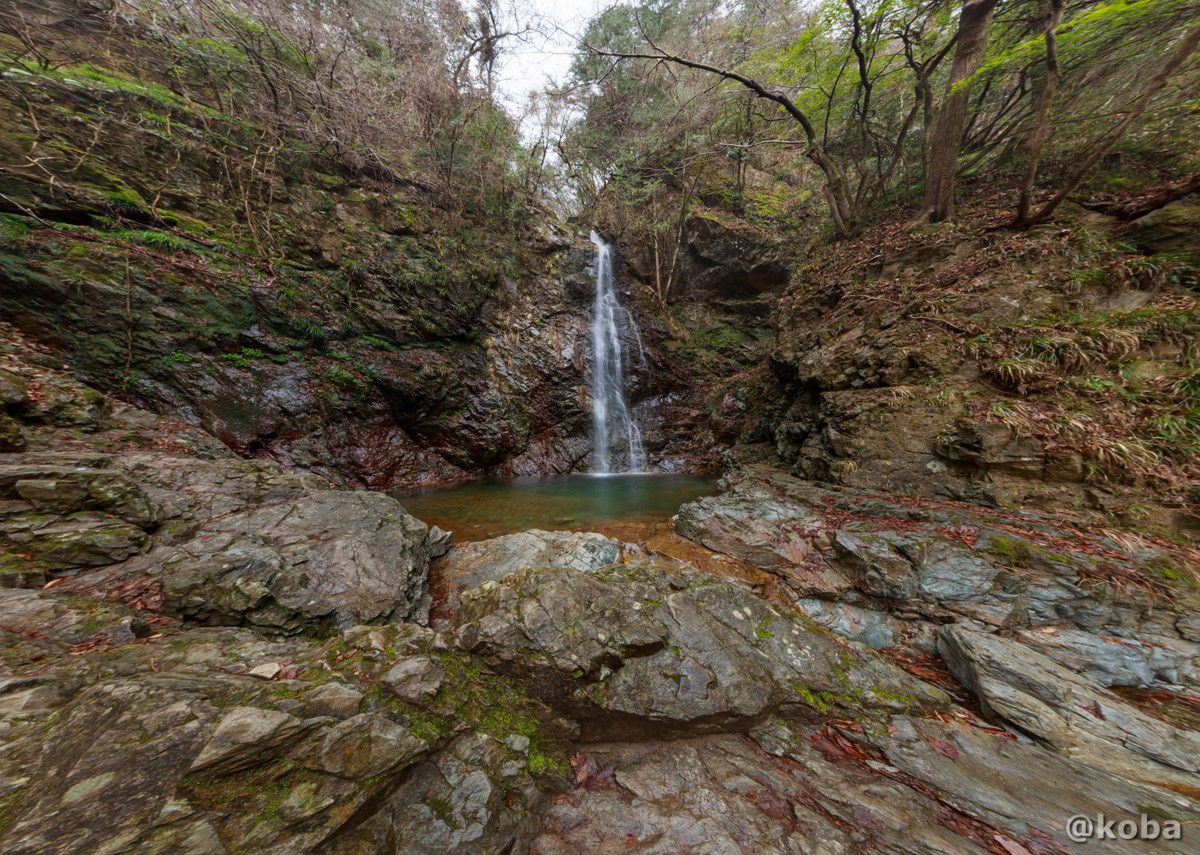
[(616, 440)]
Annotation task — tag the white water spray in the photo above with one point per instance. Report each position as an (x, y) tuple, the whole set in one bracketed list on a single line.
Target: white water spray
[(616, 440)]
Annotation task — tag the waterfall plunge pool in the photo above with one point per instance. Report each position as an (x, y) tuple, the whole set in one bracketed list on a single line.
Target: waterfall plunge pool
[(618, 499), (627, 506)]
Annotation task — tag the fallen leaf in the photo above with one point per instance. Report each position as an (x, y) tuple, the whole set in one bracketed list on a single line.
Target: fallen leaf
[(1011, 846), (943, 748)]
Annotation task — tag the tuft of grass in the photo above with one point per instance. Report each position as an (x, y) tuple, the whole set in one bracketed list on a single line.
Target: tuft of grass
[(14, 230), (158, 240)]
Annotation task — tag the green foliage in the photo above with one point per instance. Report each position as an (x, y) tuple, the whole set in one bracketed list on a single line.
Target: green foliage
[(376, 342), (157, 240), (710, 347), (853, 71), (346, 379), (123, 201), (14, 230)]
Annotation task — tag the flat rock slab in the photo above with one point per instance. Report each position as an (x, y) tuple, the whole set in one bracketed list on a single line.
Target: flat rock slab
[(469, 565), (1019, 686)]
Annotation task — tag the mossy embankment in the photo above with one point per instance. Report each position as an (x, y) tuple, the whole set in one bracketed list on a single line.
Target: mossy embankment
[(201, 264)]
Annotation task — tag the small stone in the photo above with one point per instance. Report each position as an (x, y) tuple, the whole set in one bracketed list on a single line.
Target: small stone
[(439, 541), (246, 737), (517, 742), (266, 671), (415, 679), (335, 699)]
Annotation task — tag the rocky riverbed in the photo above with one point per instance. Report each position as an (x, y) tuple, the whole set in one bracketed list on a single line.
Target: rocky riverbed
[(210, 655)]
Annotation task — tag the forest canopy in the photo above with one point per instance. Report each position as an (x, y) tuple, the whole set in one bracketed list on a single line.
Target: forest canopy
[(785, 111), (843, 107)]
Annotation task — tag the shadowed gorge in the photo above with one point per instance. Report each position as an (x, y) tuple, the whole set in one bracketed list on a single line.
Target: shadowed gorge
[(667, 427)]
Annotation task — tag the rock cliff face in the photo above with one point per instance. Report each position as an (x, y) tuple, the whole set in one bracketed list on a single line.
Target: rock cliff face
[(204, 654), (1051, 369), (342, 322), (1019, 370)]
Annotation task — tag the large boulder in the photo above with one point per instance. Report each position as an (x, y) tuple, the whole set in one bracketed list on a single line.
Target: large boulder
[(940, 561), (634, 650), (765, 532), (918, 787), (160, 747), (331, 559), (471, 564)]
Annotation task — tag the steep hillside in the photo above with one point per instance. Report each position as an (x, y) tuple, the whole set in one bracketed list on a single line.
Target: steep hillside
[(375, 321), (1051, 369)]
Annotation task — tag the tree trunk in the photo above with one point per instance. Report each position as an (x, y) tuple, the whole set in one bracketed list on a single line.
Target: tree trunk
[(1147, 201), (837, 194), (1041, 126), (974, 23), (1177, 58)]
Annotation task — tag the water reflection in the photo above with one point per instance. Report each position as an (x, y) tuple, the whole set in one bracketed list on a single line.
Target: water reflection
[(619, 505)]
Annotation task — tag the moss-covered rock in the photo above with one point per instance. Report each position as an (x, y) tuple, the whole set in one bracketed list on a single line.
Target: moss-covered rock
[(631, 651)]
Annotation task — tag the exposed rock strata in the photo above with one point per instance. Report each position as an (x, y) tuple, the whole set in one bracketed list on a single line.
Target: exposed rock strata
[(199, 685)]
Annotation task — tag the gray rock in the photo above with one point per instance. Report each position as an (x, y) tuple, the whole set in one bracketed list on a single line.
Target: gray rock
[(358, 553), (327, 559), (767, 533), (1019, 790), (875, 564), (199, 490), (415, 679), (77, 541), (949, 571), (439, 542), (1188, 626), (1017, 685), (471, 564), (14, 389), (939, 561), (246, 737), (392, 639), (66, 489), (65, 619), (874, 629), (333, 699), (362, 746), (266, 671), (12, 438), (635, 650), (457, 801), (1111, 661), (123, 742), (920, 786), (36, 700)]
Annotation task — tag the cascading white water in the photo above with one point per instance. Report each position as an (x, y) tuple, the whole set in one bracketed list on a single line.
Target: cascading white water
[(616, 440)]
